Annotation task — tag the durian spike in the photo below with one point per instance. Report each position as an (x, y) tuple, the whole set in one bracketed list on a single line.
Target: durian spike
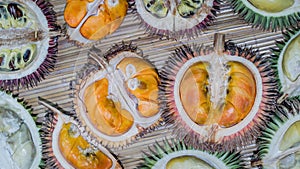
[(52, 108), (282, 98), (100, 61), (219, 43), (93, 11)]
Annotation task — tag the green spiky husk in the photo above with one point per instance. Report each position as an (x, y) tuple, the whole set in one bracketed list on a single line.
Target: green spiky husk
[(285, 111), (264, 22), (230, 159), (276, 52)]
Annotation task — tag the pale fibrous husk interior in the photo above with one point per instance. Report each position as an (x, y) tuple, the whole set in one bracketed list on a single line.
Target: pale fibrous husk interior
[(176, 19), (217, 134), (286, 61), (278, 146), (27, 44), (20, 140), (120, 69), (177, 155), (53, 123), (267, 14)]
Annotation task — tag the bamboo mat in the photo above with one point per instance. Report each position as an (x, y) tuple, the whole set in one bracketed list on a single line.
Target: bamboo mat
[(56, 86)]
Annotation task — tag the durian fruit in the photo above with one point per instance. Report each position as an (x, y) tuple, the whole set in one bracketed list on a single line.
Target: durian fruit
[(221, 96), (268, 14), (116, 97), (278, 146), (19, 136), (178, 155), (91, 20), (176, 18), (287, 63), (28, 42), (65, 147)]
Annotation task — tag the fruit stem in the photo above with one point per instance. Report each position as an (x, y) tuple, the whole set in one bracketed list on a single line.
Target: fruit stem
[(219, 43)]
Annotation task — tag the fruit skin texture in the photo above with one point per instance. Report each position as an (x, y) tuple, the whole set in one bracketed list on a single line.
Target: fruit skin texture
[(107, 115), (72, 148), (108, 18), (272, 5), (283, 17)]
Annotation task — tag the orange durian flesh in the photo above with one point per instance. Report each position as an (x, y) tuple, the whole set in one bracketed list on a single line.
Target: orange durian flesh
[(104, 113), (195, 97), (106, 21), (147, 90), (241, 95), (72, 146), (193, 93), (75, 11)]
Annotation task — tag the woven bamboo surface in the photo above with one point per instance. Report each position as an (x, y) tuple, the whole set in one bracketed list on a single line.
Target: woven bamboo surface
[(56, 86)]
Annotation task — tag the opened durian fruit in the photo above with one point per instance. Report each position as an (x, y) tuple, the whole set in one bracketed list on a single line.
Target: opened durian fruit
[(278, 147), (177, 155), (28, 42), (116, 97), (64, 146), (268, 14), (91, 20), (221, 96), (175, 18), (287, 63), (20, 142)]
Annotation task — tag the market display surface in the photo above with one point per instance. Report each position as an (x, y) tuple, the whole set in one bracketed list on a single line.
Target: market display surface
[(149, 84)]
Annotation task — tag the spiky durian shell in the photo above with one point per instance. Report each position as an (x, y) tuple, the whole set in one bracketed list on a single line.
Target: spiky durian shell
[(24, 111), (285, 115), (264, 20), (244, 134), (51, 125), (45, 59), (141, 125), (160, 155), (189, 32), (288, 88)]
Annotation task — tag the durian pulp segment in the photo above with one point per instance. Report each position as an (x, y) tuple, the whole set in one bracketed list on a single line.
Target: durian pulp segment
[(188, 162), (283, 7), (289, 67), (95, 20), (199, 159), (226, 111), (19, 138), (272, 6), (78, 152), (172, 20), (126, 96), (58, 141)]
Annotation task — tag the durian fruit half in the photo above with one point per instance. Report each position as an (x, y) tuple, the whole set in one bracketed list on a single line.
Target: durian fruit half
[(20, 142), (278, 145), (116, 97), (220, 96), (64, 146), (287, 62), (28, 43), (176, 18), (268, 14), (178, 155), (91, 20)]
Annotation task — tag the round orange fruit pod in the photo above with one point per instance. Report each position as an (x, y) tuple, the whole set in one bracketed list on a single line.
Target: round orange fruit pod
[(116, 95), (221, 96), (90, 20)]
